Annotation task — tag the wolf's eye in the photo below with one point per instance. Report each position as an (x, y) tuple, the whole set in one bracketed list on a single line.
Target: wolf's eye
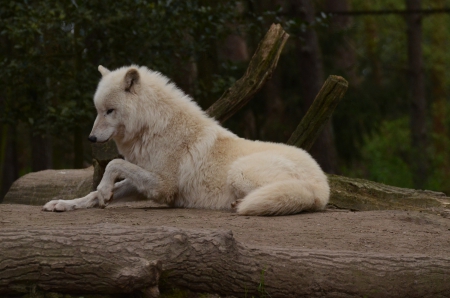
[(109, 111)]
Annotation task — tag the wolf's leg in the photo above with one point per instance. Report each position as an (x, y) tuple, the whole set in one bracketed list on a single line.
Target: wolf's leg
[(121, 189), (65, 205), (144, 182)]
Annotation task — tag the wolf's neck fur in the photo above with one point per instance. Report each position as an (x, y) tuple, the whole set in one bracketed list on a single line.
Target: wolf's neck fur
[(166, 108)]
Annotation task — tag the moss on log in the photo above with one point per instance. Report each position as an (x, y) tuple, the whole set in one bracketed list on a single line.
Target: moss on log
[(363, 195)]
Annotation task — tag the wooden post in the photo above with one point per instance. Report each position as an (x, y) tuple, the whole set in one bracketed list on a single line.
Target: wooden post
[(260, 69), (319, 113)]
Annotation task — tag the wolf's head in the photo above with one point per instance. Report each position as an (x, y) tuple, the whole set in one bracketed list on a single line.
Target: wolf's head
[(116, 101)]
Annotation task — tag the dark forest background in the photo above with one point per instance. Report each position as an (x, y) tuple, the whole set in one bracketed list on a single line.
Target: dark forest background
[(392, 125)]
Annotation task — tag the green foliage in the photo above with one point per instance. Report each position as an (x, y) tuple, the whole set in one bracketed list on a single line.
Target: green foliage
[(262, 285), (53, 49), (385, 156)]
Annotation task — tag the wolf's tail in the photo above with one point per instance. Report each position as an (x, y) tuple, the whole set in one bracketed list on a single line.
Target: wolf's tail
[(283, 198)]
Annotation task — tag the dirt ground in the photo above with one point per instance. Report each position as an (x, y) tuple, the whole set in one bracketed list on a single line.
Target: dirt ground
[(389, 232)]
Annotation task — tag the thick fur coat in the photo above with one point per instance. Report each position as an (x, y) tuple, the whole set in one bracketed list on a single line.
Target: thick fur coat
[(177, 155)]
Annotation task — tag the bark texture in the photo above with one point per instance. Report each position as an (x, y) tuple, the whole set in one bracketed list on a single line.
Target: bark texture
[(71, 261), (117, 259), (261, 66), (364, 195)]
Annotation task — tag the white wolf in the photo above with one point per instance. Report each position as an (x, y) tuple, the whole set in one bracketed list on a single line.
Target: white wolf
[(177, 155)]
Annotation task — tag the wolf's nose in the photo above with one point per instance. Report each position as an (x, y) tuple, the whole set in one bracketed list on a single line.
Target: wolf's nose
[(93, 139)]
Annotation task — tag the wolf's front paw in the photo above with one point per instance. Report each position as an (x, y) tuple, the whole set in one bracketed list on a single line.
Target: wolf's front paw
[(58, 206), (105, 193)]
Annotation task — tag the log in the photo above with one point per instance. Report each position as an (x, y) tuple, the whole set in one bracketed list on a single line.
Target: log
[(259, 70), (37, 188), (319, 113), (72, 261), (108, 258), (346, 193), (363, 195)]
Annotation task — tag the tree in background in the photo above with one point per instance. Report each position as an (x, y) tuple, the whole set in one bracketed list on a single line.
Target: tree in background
[(51, 52), (384, 67), (419, 131), (311, 80)]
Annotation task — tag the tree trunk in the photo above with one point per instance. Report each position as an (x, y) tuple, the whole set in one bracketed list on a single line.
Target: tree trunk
[(310, 62), (440, 111), (10, 167), (116, 259), (344, 57), (78, 148), (41, 153), (274, 120), (418, 101), (78, 138)]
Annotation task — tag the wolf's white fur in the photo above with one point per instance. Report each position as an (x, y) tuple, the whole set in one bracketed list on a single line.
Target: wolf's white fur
[(176, 154)]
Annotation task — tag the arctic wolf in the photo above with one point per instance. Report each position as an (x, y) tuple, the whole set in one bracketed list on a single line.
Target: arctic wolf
[(175, 154)]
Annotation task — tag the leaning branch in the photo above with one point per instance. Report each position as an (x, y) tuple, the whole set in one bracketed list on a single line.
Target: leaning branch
[(319, 113), (260, 69)]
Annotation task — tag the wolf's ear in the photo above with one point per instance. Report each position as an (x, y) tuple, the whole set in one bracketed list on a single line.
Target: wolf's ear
[(131, 79), (103, 70)]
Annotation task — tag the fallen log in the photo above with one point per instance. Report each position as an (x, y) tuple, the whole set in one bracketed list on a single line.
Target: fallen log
[(109, 258), (72, 261), (346, 193), (363, 195)]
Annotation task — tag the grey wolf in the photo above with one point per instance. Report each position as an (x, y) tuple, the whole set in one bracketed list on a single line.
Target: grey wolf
[(175, 154)]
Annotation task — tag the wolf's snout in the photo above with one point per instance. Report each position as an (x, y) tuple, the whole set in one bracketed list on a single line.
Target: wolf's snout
[(93, 139)]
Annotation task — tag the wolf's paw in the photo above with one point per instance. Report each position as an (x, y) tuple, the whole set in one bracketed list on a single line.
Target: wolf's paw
[(105, 193), (58, 206)]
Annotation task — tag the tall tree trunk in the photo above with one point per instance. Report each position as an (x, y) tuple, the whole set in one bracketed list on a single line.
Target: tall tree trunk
[(418, 101), (345, 56), (41, 152), (77, 131), (372, 38), (311, 79), (274, 125), (78, 148), (440, 110), (273, 128), (9, 162)]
